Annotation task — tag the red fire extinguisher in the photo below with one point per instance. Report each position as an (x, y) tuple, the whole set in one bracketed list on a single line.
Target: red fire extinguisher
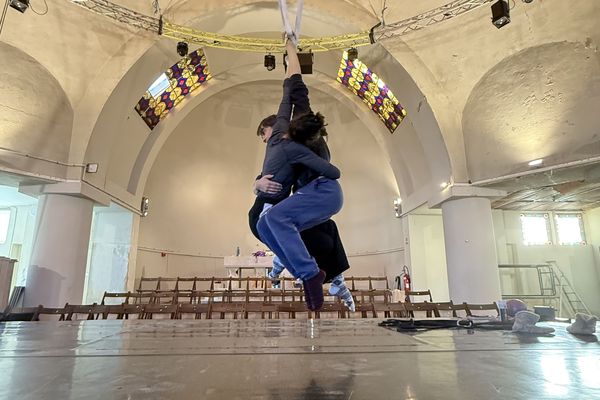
[(405, 279)]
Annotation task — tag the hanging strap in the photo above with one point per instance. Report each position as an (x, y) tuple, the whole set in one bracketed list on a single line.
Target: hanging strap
[(292, 33)]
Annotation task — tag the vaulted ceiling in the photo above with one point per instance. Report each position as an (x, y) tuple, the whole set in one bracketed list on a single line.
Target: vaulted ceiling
[(500, 97)]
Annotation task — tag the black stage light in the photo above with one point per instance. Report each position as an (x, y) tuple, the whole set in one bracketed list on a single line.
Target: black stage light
[(269, 62), (20, 5), (352, 53), (182, 49), (500, 13), (306, 62)]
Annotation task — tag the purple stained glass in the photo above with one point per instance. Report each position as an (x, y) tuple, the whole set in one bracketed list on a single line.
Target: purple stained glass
[(191, 70), (372, 90)]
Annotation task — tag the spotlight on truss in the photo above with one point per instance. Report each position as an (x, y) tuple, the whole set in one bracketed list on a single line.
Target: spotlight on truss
[(269, 62), (500, 13), (352, 53), (182, 49), (20, 5), (306, 60)]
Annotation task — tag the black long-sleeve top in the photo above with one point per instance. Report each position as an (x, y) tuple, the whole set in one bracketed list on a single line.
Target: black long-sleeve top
[(284, 155)]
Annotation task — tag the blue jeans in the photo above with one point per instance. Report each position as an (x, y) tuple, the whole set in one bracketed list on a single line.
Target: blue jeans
[(280, 226)]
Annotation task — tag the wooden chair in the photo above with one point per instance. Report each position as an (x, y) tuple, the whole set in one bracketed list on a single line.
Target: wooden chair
[(428, 308), (85, 310), (185, 285), (108, 310), (258, 297), (363, 309), (166, 284), (294, 310), (445, 307), (237, 284), (418, 293), (460, 310), (19, 314), (289, 284), (258, 282), (140, 298), (281, 296), (205, 284), (120, 298), (390, 310), (206, 297), (225, 309), (48, 311), (379, 283), (372, 296), (185, 297), (481, 307), (163, 298), (160, 309), (235, 296), (197, 310), (262, 310), (331, 311), (359, 283), (148, 285), (132, 311)]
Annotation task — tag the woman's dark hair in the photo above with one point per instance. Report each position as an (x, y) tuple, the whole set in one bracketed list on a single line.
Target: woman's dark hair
[(308, 128), (269, 121)]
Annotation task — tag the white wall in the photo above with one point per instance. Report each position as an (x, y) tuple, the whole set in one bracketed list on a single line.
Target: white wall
[(428, 254), (578, 262), (200, 189), (108, 255)]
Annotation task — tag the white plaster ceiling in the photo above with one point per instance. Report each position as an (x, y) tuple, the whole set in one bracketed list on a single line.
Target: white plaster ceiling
[(456, 64)]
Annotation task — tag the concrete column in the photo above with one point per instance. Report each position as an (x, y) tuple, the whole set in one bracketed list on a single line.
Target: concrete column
[(471, 257), (56, 274)]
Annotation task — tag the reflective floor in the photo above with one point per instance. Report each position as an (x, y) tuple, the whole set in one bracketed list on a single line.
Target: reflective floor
[(289, 359)]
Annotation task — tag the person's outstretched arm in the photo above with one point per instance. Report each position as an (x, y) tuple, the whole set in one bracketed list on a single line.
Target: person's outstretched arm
[(293, 64)]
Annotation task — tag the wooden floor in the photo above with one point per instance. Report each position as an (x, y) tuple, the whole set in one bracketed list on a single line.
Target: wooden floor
[(288, 359)]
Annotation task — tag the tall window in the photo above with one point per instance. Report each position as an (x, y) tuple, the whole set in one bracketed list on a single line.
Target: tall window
[(4, 224), (536, 229), (373, 91), (172, 86), (569, 228)]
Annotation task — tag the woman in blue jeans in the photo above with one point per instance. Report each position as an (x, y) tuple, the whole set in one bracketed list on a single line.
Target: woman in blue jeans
[(314, 203)]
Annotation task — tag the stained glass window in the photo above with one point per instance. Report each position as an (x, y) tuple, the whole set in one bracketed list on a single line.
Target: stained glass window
[(172, 86), (357, 77)]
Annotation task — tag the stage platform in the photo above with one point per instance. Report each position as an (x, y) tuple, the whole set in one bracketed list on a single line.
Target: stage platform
[(288, 359)]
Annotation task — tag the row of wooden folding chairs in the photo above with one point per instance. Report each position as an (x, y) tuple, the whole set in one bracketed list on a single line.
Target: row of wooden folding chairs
[(190, 284), (449, 309), (270, 310), (193, 297), (253, 310)]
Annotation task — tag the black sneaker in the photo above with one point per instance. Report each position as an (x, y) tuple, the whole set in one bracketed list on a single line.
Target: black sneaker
[(313, 291)]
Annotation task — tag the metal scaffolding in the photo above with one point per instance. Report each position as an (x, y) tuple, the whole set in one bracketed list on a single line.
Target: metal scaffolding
[(428, 18), (245, 43), (121, 14)]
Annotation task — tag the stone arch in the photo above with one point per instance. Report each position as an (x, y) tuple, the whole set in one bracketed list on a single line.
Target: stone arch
[(541, 102), (35, 113)]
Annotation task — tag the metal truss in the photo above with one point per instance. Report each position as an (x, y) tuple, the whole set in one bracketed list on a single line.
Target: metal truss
[(121, 14), (428, 18), (244, 43)]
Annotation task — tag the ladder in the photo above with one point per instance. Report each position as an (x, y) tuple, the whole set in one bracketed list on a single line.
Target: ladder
[(568, 295)]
